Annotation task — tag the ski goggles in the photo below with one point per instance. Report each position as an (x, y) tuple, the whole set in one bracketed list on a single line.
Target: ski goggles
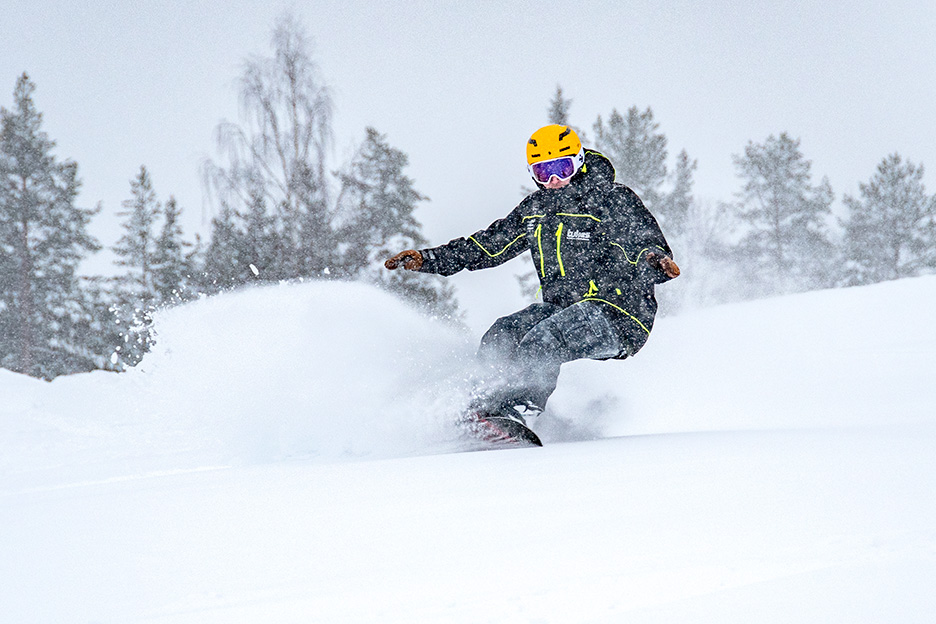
[(563, 168)]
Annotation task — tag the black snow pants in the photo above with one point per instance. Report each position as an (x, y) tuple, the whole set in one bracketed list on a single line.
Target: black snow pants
[(523, 352)]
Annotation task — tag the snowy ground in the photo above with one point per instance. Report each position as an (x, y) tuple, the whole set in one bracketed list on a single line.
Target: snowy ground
[(285, 455)]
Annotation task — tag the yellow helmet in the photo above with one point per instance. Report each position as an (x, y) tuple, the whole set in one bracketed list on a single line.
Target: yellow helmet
[(554, 151), (551, 142)]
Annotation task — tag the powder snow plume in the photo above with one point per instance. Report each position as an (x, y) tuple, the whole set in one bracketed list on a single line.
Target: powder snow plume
[(328, 369), (314, 371)]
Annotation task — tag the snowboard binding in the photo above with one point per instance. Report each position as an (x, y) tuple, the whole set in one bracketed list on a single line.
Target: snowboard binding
[(501, 427)]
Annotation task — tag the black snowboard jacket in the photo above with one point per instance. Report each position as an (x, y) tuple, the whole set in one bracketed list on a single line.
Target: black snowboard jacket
[(589, 242)]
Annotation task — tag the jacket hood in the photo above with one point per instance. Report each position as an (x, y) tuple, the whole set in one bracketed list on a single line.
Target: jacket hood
[(597, 167)]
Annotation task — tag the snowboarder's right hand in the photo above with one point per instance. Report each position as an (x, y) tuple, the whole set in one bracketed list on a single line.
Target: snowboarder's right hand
[(410, 259)]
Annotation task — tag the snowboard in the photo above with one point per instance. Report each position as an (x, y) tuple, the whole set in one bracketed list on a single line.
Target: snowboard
[(497, 431)]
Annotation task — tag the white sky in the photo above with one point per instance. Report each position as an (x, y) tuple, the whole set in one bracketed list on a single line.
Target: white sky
[(459, 86)]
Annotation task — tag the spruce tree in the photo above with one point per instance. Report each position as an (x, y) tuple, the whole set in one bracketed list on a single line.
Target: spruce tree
[(558, 113), (224, 264), (376, 208), (114, 341), (890, 231), (135, 295), (136, 248), (786, 248), (262, 246), (43, 238), (171, 269), (674, 207), (636, 149), (679, 216)]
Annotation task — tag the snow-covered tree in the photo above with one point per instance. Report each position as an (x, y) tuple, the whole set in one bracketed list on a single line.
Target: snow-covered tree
[(171, 267), (158, 271), (636, 149), (890, 231), (558, 112), (375, 211), (263, 247), (43, 238), (224, 264), (682, 220), (785, 248), (136, 248), (673, 207)]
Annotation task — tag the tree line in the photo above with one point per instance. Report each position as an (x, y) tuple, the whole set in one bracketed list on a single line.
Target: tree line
[(281, 214), (778, 235)]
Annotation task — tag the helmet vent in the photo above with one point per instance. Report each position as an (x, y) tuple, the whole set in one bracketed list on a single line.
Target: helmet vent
[(565, 134)]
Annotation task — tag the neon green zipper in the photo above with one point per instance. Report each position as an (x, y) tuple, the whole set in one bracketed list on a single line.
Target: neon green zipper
[(558, 250), (539, 243)]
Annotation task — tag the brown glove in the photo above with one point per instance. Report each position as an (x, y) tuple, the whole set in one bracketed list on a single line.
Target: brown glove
[(410, 259), (664, 263)]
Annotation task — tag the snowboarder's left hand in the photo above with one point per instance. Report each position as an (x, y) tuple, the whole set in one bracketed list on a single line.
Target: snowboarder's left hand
[(410, 259), (664, 263)]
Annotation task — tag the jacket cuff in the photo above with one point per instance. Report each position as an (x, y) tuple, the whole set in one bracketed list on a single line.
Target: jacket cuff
[(430, 263)]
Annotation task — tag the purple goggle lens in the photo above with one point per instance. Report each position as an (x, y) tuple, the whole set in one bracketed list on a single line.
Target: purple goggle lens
[(562, 168)]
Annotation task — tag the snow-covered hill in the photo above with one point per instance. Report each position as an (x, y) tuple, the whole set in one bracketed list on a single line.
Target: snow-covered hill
[(286, 454)]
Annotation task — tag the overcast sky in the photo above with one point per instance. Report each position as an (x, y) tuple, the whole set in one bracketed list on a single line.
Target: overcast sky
[(459, 86)]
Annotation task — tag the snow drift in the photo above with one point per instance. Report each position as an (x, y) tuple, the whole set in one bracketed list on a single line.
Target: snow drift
[(276, 457)]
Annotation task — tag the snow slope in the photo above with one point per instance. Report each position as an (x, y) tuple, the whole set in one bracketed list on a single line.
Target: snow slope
[(285, 454)]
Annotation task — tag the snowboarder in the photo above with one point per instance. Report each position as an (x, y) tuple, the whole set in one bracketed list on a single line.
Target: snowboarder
[(598, 253)]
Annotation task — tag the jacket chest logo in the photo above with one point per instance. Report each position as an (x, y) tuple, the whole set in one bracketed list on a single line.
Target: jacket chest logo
[(578, 235)]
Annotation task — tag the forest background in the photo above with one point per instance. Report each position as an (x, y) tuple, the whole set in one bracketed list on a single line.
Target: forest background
[(283, 209)]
